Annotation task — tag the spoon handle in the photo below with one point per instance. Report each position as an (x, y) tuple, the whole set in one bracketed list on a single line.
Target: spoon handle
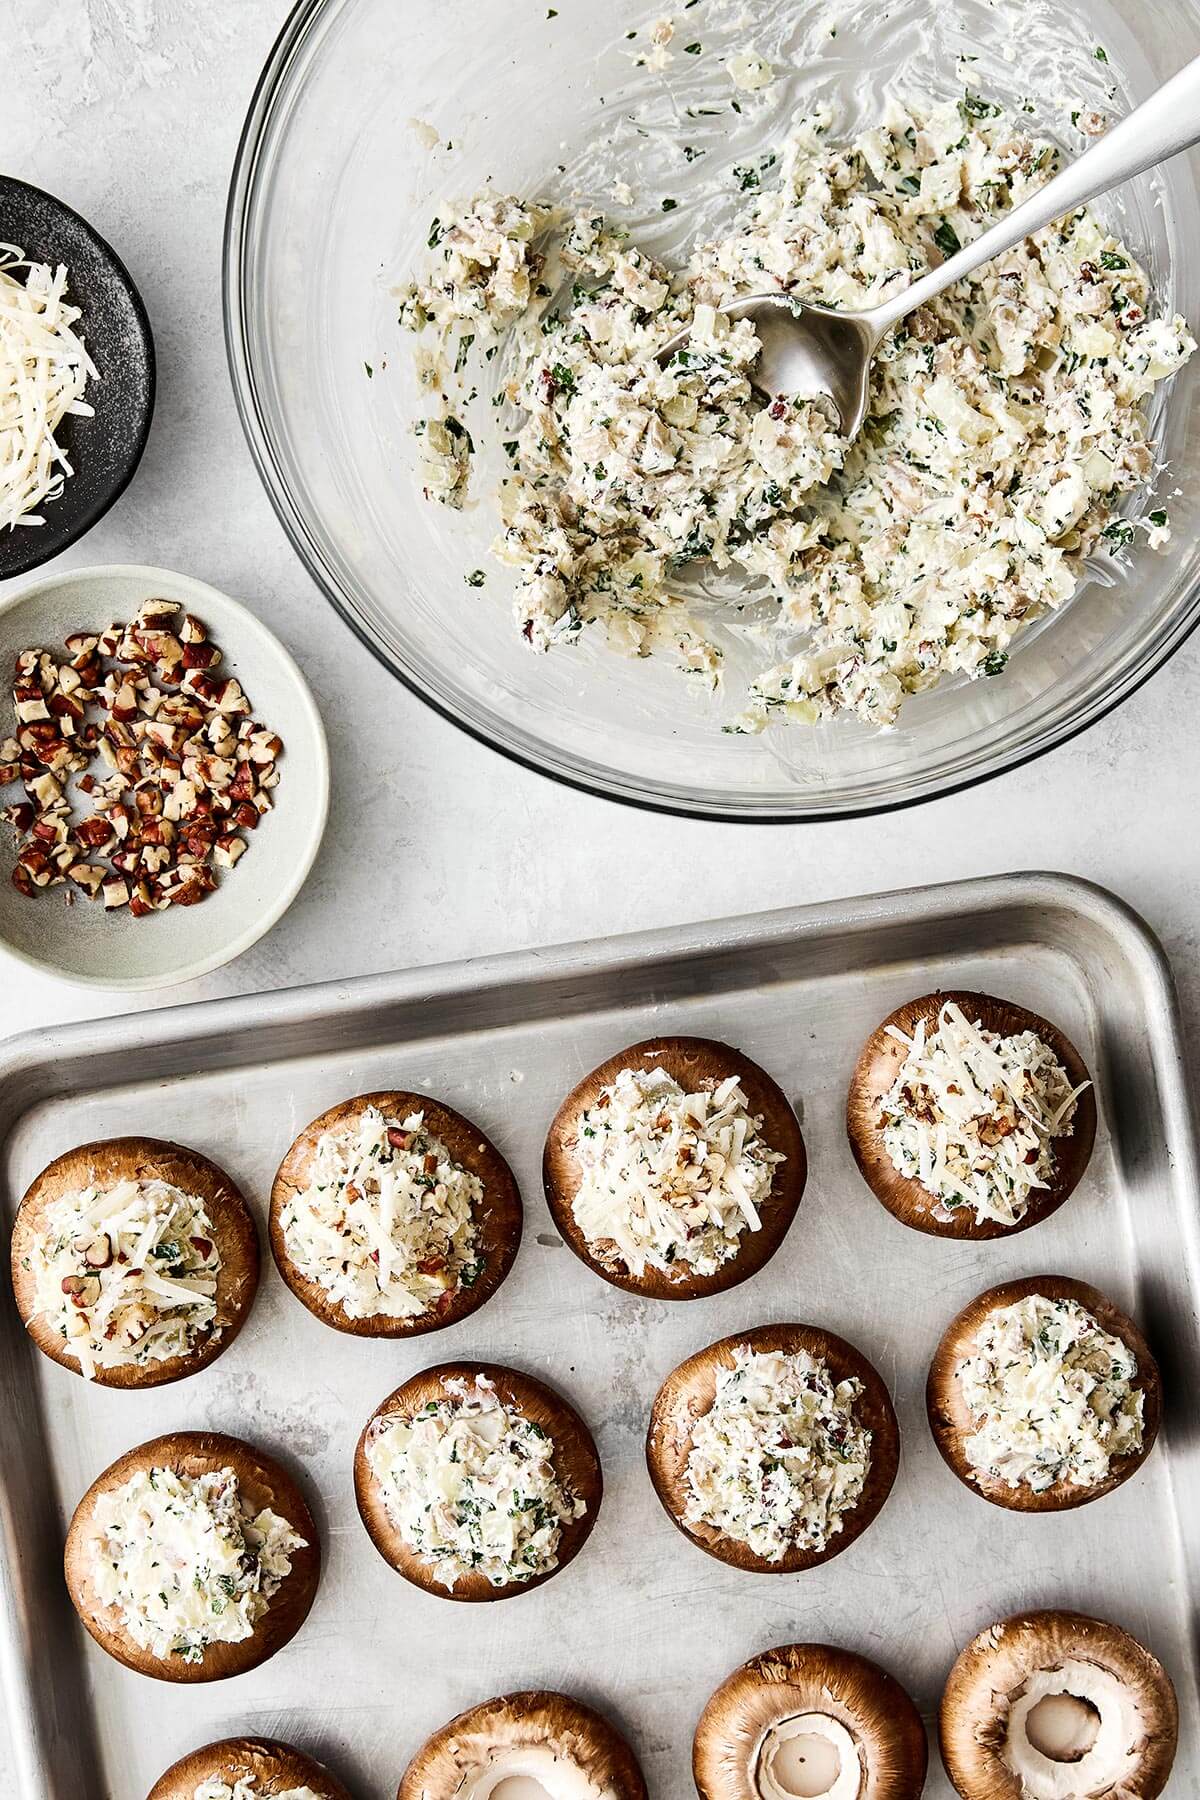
[(1163, 125)]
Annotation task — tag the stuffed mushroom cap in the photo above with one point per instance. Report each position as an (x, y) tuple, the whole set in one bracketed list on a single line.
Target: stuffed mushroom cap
[(876, 1071), (576, 1466), (264, 1485), (563, 1746), (274, 1768), (696, 1064), (103, 1165), (689, 1393), (828, 1712), (497, 1219), (953, 1423), (1058, 1706)]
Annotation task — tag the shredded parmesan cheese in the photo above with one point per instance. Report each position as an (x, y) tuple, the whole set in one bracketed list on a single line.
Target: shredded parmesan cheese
[(1052, 1395), (44, 369), (671, 1179), (387, 1223), (470, 1484), (186, 1561), (973, 1116), (779, 1459), (127, 1274)]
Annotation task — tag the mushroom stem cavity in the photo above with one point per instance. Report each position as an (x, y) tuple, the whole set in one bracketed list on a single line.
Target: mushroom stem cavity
[(809, 1756), (1072, 1732), (529, 1772), (1062, 1727)]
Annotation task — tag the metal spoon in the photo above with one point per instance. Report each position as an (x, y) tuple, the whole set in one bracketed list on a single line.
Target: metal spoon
[(815, 350)]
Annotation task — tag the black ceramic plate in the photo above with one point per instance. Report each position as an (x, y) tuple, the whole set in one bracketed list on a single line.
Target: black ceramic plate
[(106, 450)]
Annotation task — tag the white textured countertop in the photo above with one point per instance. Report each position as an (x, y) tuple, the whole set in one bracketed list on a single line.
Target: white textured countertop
[(437, 849)]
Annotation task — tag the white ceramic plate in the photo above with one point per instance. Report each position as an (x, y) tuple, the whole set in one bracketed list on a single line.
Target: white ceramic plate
[(114, 950)]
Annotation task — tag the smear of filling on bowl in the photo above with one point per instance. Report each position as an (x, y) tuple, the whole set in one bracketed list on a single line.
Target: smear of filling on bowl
[(1007, 419), (187, 1561), (1052, 1394), (973, 1116), (671, 1179), (127, 1274), (779, 1459), (387, 1223), (44, 372), (247, 1788), (470, 1484)]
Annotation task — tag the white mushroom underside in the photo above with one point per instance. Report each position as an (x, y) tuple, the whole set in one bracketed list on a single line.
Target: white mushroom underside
[(247, 1789), (1115, 1753), (809, 1756), (530, 1772)]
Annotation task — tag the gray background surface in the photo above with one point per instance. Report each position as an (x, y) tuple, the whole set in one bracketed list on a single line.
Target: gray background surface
[(130, 110)]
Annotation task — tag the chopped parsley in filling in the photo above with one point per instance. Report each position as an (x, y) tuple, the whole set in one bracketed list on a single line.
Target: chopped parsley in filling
[(973, 1116), (779, 1459), (387, 1224), (187, 1561), (1007, 418), (671, 1179), (1052, 1396), (127, 1274), (470, 1484)]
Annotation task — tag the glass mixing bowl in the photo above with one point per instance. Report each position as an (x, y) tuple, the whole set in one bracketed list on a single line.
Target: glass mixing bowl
[(371, 112)]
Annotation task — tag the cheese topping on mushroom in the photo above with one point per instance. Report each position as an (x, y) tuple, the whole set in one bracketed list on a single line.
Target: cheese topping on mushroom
[(386, 1225), (1007, 418), (247, 1789), (470, 1484), (671, 1178), (973, 1116), (127, 1274), (187, 1561), (779, 1458), (1053, 1394)]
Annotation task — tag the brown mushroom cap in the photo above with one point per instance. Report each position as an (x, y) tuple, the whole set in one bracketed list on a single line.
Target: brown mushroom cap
[(272, 1766), (694, 1063), (809, 1678), (104, 1164), (464, 1746), (952, 1422), (875, 1073), (995, 1666), (498, 1218), (575, 1460), (264, 1484), (688, 1393)]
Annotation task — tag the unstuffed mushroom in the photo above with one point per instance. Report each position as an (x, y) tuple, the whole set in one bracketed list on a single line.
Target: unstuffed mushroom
[(809, 1722), (1057, 1706)]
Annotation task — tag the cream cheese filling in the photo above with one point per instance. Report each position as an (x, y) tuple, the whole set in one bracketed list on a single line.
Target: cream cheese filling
[(1051, 1394), (779, 1459), (187, 1561), (1116, 1749), (127, 1274), (470, 1484), (387, 1223), (973, 1116), (671, 1179), (1007, 420)]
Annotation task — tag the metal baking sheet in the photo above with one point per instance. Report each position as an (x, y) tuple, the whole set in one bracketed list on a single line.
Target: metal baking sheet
[(641, 1624)]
